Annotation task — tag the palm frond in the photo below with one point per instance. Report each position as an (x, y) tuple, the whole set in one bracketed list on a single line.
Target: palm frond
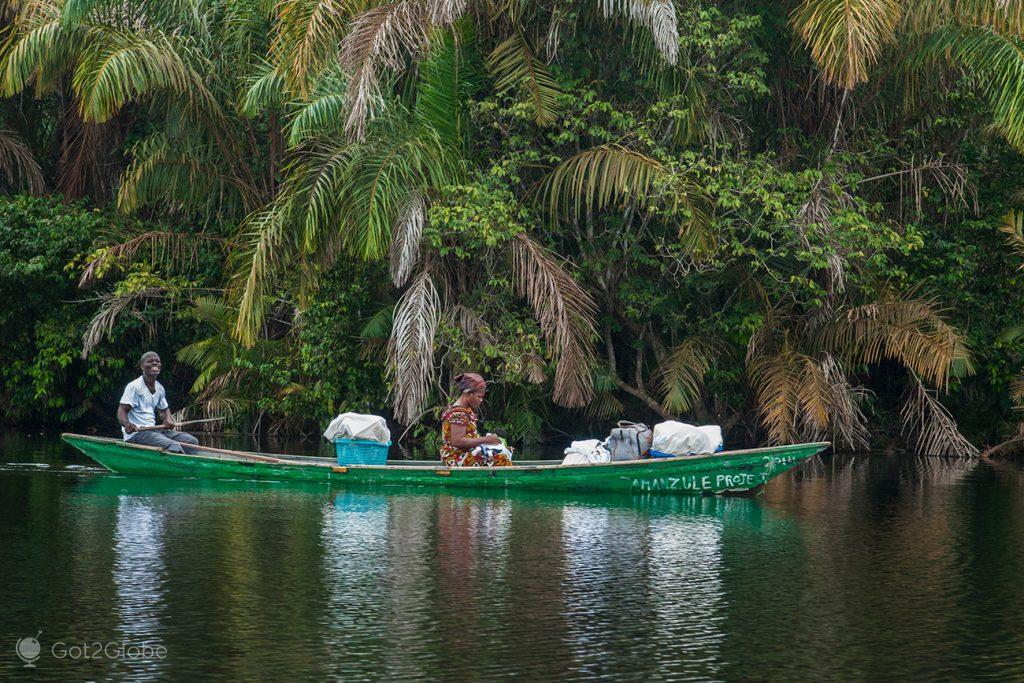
[(998, 61), (382, 178), (776, 379), (112, 309), (847, 422), (565, 312), (658, 16), (802, 397), (448, 78), (38, 51), (379, 325), (471, 323), (513, 63), (267, 89), (846, 37), (936, 431), (18, 164), (181, 175), (1013, 227), (322, 115), (381, 39), (406, 238), (267, 247), (84, 148), (999, 15), (599, 177), (683, 370), (308, 35), (605, 404), (910, 331), (411, 348), (175, 250), (122, 65), (1017, 391)]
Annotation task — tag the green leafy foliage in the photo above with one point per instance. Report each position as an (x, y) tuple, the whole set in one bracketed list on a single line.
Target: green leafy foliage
[(703, 220)]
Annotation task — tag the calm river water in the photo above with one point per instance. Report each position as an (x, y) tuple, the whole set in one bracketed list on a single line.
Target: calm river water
[(869, 567)]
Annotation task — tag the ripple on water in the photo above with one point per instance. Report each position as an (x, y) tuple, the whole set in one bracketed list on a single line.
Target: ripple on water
[(868, 567)]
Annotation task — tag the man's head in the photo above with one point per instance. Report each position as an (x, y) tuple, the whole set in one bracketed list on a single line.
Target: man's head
[(150, 364)]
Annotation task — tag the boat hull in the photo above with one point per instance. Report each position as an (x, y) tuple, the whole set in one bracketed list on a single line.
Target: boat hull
[(735, 471)]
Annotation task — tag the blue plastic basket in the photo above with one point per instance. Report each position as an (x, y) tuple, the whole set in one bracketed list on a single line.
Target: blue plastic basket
[(360, 452)]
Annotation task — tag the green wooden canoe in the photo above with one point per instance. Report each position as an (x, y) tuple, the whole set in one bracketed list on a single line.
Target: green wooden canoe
[(743, 470)]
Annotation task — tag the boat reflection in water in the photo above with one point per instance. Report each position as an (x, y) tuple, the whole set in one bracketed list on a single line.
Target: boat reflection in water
[(850, 567)]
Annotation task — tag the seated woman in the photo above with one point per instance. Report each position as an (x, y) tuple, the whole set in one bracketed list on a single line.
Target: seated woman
[(458, 428)]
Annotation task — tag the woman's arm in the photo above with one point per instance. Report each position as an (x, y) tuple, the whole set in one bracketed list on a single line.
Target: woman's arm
[(457, 437)]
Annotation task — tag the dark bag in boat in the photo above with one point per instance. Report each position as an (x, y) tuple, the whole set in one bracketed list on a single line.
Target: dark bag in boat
[(629, 441)]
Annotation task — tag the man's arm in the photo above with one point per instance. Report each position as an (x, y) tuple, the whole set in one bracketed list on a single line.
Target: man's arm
[(165, 417), (122, 417)]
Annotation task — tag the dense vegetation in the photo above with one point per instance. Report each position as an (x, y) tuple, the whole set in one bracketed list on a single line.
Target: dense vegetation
[(790, 219)]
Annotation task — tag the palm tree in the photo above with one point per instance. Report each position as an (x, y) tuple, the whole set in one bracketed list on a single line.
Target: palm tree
[(368, 185)]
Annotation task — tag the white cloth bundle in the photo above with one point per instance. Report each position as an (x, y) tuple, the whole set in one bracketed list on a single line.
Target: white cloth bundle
[(679, 438), (356, 426), (586, 453), (492, 450)]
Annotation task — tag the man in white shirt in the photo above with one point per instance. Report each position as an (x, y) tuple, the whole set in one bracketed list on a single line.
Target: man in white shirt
[(142, 399)]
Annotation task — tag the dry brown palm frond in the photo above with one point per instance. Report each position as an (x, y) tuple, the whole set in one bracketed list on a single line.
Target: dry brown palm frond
[(803, 397), (847, 422), (534, 365), (815, 218), (308, 33), (846, 37), (952, 180), (565, 313), (382, 39), (910, 331), (776, 379), (1013, 227), (411, 347), (379, 39), (1004, 16), (683, 369), (472, 324), (658, 16), (83, 148), (406, 237), (18, 164), (114, 306), (935, 428), (1017, 391), (175, 249)]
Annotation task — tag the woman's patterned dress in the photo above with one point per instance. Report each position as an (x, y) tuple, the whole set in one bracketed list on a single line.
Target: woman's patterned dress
[(456, 457)]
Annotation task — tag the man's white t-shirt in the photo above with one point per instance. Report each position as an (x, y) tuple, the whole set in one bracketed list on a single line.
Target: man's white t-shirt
[(144, 404)]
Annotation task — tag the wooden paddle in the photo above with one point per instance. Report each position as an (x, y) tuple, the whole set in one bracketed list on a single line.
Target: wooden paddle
[(178, 424)]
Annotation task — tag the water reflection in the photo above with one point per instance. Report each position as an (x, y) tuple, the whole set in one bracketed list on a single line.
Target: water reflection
[(866, 567), (139, 574)]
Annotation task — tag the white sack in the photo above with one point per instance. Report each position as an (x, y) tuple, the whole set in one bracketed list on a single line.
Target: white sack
[(492, 450), (679, 438), (586, 452), (356, 426)]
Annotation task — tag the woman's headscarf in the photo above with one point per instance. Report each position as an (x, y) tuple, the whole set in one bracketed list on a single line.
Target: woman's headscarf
[(469, 382)]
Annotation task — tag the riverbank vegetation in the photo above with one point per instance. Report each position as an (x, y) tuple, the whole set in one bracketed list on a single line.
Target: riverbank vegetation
[(791, 219)]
